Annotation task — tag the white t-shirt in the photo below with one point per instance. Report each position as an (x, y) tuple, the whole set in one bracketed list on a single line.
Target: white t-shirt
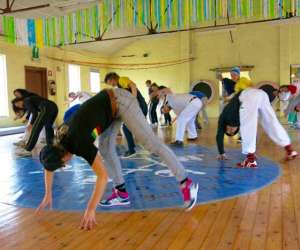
[(178, 102)]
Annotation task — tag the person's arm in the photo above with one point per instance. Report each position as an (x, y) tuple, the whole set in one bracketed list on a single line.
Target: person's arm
[(89, 218), (47, 200), (133, 89), (31, 110)]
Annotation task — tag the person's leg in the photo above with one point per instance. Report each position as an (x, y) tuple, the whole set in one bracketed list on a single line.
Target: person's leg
[(151, 113), (273, 127), (189, 113), (132, 116), (107, 149), (155, 113), (51, 114), (168, 118), (130, 141), (248, 126), (36, 129)]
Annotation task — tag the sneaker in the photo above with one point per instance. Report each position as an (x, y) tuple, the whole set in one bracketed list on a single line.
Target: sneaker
[(129, 154), (21, 144), (190, 193), (292, 155), (117, 198), (247, 164), (177, 143), (23, 153), (192, 139)]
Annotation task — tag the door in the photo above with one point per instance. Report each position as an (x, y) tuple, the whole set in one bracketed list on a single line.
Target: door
[(36, 80)]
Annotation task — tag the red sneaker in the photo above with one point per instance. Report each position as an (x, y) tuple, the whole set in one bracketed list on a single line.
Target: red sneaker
[(291, 155), (247, 164), (189, 193)]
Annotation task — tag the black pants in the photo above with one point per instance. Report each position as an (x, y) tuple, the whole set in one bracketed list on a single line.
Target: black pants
[(168, 118), (128, 134), (46, 119), (152, 112)]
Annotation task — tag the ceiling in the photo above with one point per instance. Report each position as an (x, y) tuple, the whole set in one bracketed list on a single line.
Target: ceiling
[(57, 7)]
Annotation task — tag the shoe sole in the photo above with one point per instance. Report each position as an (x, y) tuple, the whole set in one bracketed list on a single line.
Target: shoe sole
[(126, 157), (194, 195), (113, 205)]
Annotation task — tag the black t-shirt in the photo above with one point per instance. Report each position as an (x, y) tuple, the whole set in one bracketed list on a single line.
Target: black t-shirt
[(229, 85), (34, 104), (91, 119)]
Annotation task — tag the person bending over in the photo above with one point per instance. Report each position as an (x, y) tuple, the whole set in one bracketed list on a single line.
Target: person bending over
[(243, 112), (186, 107), (44, 113), (102, 115), (114, 80)]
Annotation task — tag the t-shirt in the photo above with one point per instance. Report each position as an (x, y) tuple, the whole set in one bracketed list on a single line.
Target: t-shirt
[(34, 104), (70, 112), (90, 120), (228, 85), (178, 102), (124, 82)]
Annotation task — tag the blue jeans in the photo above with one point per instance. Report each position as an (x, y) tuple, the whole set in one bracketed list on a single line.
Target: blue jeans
[(128, 134)]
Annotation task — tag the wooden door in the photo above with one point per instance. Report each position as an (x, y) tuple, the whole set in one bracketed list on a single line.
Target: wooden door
[(36, 80)]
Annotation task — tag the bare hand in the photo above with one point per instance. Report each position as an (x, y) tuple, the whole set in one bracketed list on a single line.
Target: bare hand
[(46, 202), (222, 157), (89, 220)]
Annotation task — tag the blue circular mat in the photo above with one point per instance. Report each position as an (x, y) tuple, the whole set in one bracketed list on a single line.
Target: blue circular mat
[(149, 183)]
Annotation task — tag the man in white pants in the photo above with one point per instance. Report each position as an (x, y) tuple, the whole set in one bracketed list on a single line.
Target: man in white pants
[(247, 107), (186, 107)]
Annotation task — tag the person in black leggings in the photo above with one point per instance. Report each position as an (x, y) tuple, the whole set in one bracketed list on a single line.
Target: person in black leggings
[(44, 113)]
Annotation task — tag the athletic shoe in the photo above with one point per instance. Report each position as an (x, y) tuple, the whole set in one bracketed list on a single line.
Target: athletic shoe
[(247, 164), (177, 143), (190, 193), (117, 198), (21, 144), (291, 155), (129, 154), (23, 153), (193, 139)]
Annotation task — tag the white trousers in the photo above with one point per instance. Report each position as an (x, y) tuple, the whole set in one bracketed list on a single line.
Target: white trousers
[(186, 120), (256, 105)]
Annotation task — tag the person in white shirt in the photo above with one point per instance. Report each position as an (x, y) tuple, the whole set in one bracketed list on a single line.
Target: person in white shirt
[(186, 107)]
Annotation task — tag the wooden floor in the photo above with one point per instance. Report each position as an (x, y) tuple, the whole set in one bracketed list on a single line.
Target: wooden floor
[(268, 219)]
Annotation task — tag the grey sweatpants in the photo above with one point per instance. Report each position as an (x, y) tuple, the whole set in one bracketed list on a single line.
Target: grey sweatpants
[(131, 114)]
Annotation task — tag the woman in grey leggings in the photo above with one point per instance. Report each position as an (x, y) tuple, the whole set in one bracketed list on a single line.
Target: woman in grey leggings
[(102, 115)]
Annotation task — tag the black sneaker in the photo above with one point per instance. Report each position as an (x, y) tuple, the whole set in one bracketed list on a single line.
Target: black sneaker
[(128, 154), (193, 139), (177, 143)]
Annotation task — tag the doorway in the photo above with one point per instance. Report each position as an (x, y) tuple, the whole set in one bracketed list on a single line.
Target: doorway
[(36, 80)]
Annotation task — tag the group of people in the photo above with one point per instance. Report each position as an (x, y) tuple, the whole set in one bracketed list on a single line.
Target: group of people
[(101, 117)]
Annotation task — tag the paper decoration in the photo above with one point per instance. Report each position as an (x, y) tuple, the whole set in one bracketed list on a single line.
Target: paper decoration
[(88, 24)]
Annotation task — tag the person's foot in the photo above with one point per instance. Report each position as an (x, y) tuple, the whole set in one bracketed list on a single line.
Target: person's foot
[(23, 153), (129, 154), (291, 155), (20, 144), (189, 193), (117, 198), (177, 143), (193, 139), (247, 164)]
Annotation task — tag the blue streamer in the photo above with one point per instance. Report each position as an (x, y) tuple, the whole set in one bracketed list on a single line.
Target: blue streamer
[(31, 32)]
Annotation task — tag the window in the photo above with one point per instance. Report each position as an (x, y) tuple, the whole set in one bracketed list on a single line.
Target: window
[(3, 87), (95, 81), (74, 78)]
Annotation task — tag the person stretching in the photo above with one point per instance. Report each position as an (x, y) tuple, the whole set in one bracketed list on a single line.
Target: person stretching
[(102, 115), (244, 111)]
